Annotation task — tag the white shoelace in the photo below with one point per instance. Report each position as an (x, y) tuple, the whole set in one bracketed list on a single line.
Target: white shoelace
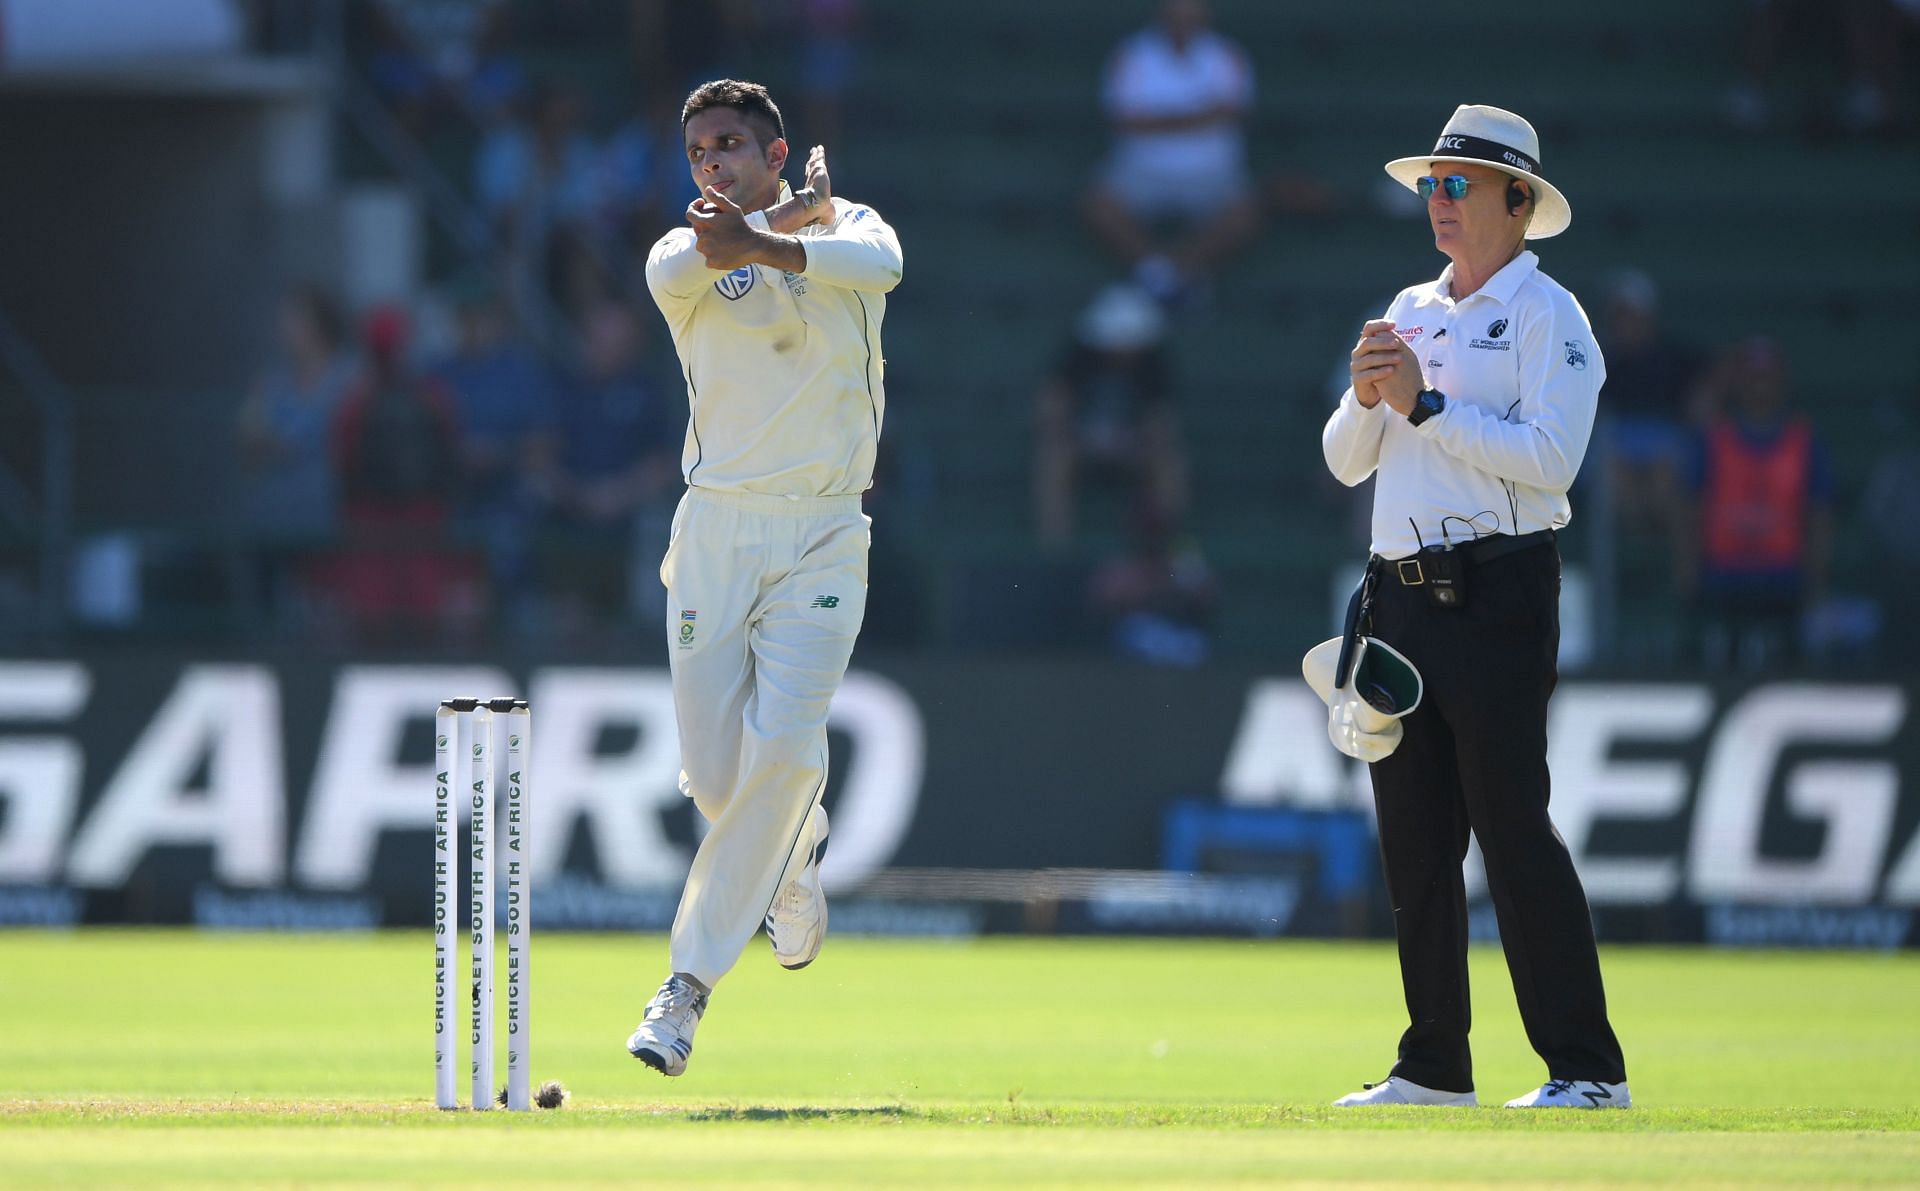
[(676, 999)]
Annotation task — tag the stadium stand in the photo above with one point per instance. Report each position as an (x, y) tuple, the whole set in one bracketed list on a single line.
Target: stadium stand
[(976, 127)]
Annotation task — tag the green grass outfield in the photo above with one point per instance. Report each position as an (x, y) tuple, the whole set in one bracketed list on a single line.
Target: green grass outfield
[(164, 1058)]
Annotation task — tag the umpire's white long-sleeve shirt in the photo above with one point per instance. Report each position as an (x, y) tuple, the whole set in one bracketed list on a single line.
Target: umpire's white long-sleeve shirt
[(1522, 375), (784, 371)]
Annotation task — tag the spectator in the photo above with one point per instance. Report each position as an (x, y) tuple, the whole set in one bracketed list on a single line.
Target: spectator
[(1763, 494), (1108, 409), (396, 442), (429, 60), (680, 45), (537, 180), (829, 40), (1888, 538), (643, 182), (500, 392), (400, 72), (1177, 95), (1157, 599), (485, 70), (290, 492), (616, 471), (1866, 34), (1651, 377)]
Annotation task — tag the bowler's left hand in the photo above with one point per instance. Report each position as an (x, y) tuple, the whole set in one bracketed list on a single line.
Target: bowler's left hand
[(1385, 359), (821, 183), (720, 231)]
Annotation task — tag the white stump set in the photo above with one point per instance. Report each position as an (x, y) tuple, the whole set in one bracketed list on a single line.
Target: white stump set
[(463, 768)]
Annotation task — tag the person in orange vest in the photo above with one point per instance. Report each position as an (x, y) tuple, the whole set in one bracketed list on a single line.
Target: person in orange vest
[(1753, 551)]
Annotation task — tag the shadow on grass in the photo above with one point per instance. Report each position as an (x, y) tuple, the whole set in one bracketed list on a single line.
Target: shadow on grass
[(863, 1112)]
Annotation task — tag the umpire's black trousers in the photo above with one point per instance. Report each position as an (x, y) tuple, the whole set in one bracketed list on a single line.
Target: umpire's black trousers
[(1475, 757)]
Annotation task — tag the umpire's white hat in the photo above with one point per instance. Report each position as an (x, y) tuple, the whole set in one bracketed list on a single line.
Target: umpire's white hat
[(1482, 135), (1363, 717)]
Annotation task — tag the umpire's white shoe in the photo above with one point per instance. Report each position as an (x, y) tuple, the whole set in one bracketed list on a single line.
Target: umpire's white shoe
[(797, 920), (664, 1038), (1575, 1093), (1404, 1093)]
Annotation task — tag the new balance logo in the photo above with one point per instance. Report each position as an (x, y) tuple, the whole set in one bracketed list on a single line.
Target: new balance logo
[(826, 602), (1596, 1094)]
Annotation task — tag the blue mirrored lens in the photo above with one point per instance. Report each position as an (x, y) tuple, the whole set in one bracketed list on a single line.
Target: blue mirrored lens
[(1456, 186)]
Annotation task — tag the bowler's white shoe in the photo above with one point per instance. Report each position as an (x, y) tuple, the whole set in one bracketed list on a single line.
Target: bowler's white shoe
[(797, 920), (664, 1038), (1575, 1093), (1404, 1093)]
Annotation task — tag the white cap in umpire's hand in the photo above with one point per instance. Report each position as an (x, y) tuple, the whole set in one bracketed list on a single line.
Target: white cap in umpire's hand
[(1363, 716)]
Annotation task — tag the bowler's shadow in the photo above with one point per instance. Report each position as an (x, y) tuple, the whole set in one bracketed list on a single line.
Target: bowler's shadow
[(884, 1111)]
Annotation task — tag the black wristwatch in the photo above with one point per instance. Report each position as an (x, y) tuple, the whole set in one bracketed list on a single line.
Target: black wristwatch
[(1426, 403)]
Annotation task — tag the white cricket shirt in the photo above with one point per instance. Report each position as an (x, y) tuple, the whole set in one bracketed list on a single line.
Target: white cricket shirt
[(784, 371), (1522, 375), (1150, 77)]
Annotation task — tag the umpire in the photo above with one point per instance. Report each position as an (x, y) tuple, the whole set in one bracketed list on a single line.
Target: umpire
[(1473, 400)]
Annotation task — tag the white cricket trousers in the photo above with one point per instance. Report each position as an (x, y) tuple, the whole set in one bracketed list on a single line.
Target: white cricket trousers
[(765, 595)]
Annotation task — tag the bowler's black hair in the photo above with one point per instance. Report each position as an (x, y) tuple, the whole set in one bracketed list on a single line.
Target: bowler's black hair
[(749, 99)]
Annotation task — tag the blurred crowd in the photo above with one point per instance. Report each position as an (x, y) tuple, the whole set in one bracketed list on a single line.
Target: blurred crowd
[(503, 453), (1705, 456), (400, 492), (572, 180), (1789, 46), (1711, 455), (1702, 456)]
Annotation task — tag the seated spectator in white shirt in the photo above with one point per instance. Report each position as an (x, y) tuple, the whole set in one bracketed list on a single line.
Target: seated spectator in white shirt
[(1177, 95)]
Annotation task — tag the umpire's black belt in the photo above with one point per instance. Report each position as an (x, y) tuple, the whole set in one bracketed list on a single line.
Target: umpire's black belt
[(1410, 573)]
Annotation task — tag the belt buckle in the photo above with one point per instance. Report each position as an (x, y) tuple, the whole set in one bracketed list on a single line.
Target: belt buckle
[(1418, 576)]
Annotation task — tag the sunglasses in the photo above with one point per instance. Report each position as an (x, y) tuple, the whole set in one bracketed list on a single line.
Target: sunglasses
[(1453, 184)]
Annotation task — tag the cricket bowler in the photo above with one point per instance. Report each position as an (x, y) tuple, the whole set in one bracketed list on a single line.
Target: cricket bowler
[(774, 298)]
